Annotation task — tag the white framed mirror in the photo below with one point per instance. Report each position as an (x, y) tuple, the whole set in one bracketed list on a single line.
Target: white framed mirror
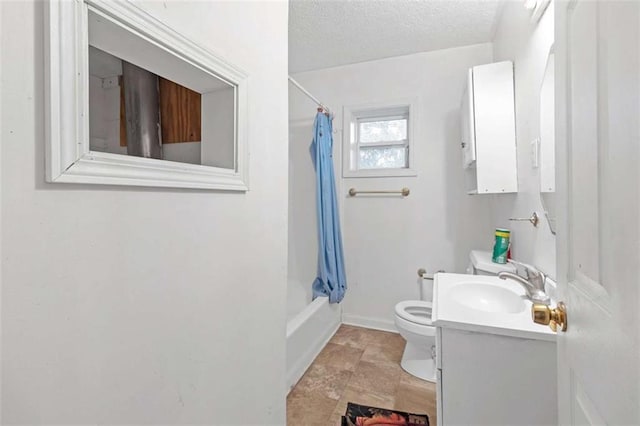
[(547, 143), (129, 101)]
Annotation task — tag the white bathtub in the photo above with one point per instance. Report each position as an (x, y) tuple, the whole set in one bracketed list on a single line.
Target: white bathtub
[(307, 333)]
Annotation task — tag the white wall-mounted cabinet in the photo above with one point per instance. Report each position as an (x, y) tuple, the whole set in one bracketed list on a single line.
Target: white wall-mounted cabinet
[(488, 130)]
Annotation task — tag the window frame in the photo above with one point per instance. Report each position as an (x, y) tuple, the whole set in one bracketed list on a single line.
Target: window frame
[(381, 111), (69, 158)]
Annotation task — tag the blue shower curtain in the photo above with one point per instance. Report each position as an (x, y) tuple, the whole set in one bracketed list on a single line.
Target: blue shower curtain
[(331, 280)]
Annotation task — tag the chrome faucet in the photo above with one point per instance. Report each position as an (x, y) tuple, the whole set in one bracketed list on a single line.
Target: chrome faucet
[(533, 284)]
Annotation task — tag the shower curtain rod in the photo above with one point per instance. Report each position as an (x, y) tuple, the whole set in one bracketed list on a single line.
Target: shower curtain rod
[(306, 92)]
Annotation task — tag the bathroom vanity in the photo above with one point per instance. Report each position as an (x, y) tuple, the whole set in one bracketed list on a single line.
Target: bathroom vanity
[(494, 365)]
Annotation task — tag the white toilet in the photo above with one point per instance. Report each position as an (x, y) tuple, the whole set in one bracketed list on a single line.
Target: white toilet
[(413, 320)]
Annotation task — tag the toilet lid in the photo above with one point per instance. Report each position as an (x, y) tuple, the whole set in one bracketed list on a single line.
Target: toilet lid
[(416, 311)]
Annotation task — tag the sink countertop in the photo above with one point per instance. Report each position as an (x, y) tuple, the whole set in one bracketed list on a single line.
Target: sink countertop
[(449, 313)]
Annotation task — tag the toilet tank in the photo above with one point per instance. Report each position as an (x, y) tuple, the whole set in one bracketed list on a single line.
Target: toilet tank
[(480, 263), (426, 289)]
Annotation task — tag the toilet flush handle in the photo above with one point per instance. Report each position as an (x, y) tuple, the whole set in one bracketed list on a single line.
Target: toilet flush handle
[(422, 273)]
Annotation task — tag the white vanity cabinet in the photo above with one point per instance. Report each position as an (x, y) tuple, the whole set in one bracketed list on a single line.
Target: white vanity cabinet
[(495, 366), (488, 130), (489, 379)]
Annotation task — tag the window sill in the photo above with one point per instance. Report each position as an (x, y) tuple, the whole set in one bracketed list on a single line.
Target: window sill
[(379, 173)]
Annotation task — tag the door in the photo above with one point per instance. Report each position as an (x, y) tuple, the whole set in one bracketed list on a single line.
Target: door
[(598, 136)]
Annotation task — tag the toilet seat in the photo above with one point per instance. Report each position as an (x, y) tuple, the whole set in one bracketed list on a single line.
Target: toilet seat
[(415, 311)]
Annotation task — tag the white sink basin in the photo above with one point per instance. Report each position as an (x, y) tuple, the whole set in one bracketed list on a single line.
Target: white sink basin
[(486, 297), (484, 304)]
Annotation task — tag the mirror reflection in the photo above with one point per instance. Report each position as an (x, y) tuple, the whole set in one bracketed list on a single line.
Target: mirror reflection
[(136, 108), (547, 144)]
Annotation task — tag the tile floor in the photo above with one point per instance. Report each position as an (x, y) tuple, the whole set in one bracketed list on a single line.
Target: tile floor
[(362, 366)]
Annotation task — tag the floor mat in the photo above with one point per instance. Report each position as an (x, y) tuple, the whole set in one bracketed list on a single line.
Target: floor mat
[(361, 415)]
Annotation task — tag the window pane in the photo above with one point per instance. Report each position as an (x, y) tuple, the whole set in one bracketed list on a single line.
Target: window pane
[(382, 131), (383, 158)]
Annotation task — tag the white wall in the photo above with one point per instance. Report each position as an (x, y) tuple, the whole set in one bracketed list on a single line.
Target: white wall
[(145, 306), (387, 239), (527, 45)]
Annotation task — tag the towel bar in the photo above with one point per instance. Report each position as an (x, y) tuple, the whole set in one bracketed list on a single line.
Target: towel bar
[(404, 192)]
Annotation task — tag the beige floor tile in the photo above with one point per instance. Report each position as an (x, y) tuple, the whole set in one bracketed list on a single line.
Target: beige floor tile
[(416, 399), (385, 338), (362, 366), (350, 336), (376, 378), (360, 337), (408, 379), (335, 419), (322, 380), (339, 356), (390, 351), (306, 409), (433, 418)]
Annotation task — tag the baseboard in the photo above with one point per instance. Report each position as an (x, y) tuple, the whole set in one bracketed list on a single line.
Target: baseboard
[(368, 322)]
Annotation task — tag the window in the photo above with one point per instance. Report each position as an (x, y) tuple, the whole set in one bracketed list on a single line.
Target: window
[(378, 141)]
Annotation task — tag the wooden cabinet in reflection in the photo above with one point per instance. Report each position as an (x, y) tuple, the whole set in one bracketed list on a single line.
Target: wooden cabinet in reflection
[(180, 113)]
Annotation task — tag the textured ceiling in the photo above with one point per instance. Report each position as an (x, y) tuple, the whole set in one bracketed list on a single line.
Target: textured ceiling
[(328, 33)]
